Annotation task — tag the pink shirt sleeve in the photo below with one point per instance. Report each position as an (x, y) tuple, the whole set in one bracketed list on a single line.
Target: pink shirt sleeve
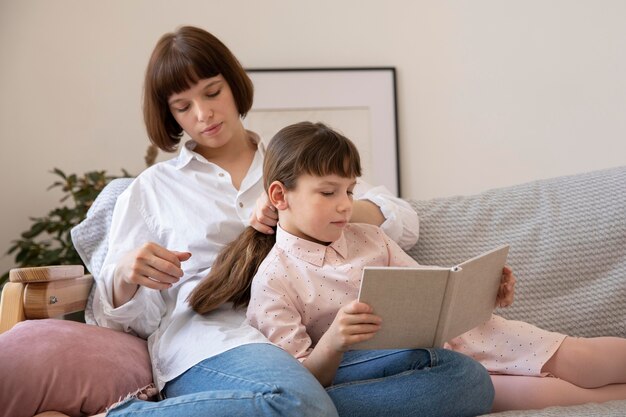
[(273, 309), (397, 256)]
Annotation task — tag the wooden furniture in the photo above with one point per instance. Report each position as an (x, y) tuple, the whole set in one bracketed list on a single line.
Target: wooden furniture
[(43, 292)]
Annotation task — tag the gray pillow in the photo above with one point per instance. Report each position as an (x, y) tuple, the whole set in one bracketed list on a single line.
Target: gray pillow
[(568, 246), (90, 237)]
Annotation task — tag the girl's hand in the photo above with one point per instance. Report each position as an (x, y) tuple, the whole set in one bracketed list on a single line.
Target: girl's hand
[(353, 323), (507, 288), (265, 216), (151, 266)]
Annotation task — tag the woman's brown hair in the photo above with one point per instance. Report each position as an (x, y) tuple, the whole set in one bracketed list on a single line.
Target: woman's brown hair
[(179, 60), (302, 148)]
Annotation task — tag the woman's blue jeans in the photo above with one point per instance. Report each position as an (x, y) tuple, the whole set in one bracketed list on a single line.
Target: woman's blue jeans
[(263, 380), (251, 380)]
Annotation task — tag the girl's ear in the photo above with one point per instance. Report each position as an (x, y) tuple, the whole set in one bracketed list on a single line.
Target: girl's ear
[(277, 195)]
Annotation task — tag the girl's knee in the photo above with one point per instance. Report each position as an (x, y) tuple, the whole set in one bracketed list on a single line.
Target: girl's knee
[(307, 400), (471, 379)]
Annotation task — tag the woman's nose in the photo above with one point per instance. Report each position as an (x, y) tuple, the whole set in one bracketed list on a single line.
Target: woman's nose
[(204, 112)]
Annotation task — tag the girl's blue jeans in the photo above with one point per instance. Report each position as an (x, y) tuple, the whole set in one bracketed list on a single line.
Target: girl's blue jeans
[(263, 380), (419, 382)]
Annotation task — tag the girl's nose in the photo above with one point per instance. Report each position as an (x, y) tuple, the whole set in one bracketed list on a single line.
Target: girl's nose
[(345, 203)]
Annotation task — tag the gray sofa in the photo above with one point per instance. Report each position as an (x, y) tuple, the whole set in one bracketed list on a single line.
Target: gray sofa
[(568, 252)]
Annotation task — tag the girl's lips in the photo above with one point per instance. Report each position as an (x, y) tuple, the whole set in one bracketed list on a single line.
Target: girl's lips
[(340, 224)]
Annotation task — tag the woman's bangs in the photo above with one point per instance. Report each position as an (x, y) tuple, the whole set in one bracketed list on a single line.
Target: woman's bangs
[(181, 72)]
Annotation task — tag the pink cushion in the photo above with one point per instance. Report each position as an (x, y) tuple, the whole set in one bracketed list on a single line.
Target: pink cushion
[(74, 368)]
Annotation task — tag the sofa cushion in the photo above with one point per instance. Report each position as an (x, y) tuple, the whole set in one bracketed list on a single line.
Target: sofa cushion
[(74, 368), (89, 237), (568, 246)]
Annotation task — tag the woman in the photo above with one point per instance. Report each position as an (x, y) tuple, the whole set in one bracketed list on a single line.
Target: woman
[(173, 220)]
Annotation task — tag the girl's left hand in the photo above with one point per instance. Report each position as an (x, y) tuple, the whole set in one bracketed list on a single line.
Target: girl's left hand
[(265, 217), (507, 288)]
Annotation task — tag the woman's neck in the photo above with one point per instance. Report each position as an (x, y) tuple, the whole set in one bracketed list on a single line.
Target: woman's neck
[(239, 143), (235, 157)]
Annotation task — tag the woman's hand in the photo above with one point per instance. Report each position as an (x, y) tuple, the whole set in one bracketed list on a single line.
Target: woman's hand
[(151, 266), (353, 323), (265, 217), (507, 288)]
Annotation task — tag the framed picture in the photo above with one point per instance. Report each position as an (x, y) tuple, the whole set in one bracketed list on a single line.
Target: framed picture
[(358, 102)]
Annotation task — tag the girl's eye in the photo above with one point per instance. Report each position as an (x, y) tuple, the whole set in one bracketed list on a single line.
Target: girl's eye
[(215, 94), (327, 193), (181, 109)]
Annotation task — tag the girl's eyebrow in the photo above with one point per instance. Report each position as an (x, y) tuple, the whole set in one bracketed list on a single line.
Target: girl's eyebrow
[(337, 183)]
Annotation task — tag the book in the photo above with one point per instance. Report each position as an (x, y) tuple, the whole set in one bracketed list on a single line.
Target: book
[(425, 306)]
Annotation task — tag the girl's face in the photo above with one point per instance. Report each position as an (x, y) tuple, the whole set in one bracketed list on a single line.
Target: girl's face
[(207, 112), (318, 208)]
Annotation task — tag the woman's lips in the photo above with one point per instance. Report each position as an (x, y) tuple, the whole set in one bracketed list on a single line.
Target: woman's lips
[(212, 130)]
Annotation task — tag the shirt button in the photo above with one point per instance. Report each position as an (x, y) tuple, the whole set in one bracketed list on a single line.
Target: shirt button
[(241, 204), (221, 174)]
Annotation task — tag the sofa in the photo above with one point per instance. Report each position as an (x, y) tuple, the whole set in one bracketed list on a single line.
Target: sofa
[(567, 238)]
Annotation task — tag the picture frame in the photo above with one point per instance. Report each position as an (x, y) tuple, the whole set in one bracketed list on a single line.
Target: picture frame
[(359, 102)]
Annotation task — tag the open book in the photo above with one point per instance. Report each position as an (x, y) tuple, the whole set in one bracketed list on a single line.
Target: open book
[(425, 306)]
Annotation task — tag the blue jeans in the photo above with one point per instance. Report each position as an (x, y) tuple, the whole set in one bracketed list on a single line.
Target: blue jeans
[(250, 380), (263, 380), (420, 382)]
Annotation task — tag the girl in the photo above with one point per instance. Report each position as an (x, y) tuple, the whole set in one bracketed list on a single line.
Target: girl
[(314, 168), (302, 297), (176, 216)]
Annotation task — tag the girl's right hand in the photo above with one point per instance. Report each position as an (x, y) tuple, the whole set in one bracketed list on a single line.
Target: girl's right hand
[(353, 323), (151, 266)]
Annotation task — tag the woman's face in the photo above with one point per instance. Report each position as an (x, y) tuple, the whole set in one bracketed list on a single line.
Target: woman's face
[(207, 112)]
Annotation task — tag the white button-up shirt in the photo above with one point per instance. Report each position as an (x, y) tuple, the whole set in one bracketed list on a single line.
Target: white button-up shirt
[(190, 204)]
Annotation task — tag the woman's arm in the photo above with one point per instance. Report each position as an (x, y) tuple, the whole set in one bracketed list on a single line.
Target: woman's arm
[(372, 205), (132, 308), (400, 220), (364, 211)]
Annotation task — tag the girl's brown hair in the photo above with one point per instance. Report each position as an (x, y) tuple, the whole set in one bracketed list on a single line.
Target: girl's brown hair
[(179, 60), (302, 148)]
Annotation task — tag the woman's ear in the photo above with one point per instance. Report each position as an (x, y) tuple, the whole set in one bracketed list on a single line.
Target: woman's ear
[(277, 195)]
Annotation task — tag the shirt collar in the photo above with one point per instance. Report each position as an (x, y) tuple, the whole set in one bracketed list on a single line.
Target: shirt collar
[(187, 152), (305, 250)]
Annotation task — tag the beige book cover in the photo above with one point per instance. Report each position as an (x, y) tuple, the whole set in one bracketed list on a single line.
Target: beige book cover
[(426, 306)]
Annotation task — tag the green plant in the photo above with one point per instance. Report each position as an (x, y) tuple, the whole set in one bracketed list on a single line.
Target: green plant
[(48, 241)]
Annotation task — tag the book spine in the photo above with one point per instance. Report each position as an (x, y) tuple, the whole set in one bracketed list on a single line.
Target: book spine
[(441, 336)]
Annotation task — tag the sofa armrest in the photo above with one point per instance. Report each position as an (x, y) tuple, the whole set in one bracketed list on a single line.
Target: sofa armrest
[(43, 292), (46, 273), (11, 305)]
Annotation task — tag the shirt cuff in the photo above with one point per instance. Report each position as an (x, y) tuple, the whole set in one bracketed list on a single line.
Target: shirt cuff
[(140, 315), (401, 221)]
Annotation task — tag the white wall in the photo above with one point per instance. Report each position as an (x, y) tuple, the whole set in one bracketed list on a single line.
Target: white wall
[(491, 92)]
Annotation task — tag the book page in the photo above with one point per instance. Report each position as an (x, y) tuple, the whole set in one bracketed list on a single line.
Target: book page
[(472, 293), (409, 302)]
